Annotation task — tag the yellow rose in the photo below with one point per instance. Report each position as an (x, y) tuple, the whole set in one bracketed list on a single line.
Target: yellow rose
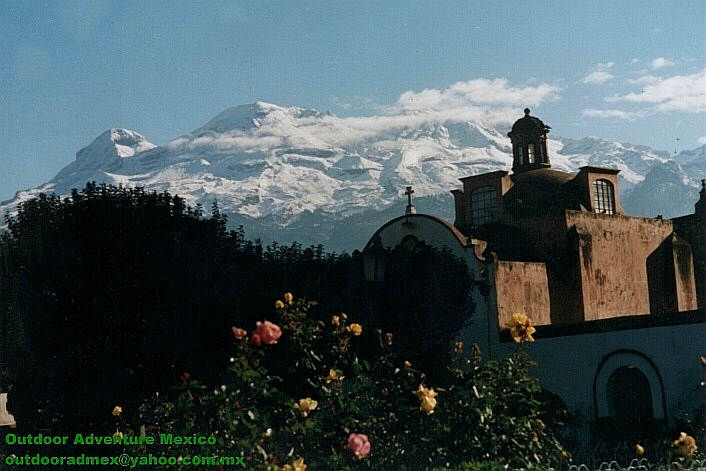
[(306, 405), (428, 404), (685, 445), (427, 398), (336, 320), (521, 328), (288, 298), (333, 376), (355, 329), (117, 410), (279, 304), (297, 466)]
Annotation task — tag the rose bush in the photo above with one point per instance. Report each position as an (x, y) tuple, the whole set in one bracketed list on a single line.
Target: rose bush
[(301, 394)]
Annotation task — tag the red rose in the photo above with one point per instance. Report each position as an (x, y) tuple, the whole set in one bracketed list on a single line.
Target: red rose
[(359, 444), (267, 333), (239, 333)]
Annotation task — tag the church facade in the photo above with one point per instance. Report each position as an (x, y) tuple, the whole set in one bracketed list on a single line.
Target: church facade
[(618, 301)]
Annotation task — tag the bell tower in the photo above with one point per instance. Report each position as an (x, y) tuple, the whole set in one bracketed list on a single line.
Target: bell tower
[(529, 144)]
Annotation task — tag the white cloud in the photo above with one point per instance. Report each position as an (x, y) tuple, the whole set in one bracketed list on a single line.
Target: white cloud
[(619, 114), (489, 101), (684, 93), (353, 102), (701, 140), (597, 77), (600, 75), (478, 92), (660, 62)]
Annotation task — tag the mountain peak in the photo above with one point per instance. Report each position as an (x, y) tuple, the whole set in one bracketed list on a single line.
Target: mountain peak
[(115, 143), (256, 115)]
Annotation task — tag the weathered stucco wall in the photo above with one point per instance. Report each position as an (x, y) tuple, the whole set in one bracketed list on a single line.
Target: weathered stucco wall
[(682, 264), (693, 229), (613, 261), (521, 287)]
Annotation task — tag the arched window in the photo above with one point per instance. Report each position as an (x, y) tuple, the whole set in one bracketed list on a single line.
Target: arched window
[(603, 197), (484, 205)]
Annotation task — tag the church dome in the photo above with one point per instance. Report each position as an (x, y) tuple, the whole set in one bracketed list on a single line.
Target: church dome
[(529, 144), (542, 191), (529, 126)]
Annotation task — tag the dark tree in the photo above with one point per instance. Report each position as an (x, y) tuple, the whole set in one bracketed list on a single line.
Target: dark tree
[(110, 294)]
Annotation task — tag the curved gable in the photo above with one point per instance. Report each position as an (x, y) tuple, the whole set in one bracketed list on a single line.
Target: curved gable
[(431, 230)]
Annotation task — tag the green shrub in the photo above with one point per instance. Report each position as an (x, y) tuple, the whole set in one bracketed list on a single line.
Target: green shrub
[(300, 394)]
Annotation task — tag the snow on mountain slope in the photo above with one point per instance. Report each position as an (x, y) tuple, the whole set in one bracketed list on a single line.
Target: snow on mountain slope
[(103, 160), (295, 174)]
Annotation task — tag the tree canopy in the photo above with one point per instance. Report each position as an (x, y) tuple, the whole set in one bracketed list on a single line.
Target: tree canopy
[(110, 294)]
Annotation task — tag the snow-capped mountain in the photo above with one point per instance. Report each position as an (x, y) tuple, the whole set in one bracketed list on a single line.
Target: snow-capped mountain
[(295, 174)]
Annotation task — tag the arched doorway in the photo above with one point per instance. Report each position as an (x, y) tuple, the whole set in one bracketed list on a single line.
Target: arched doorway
[(629, 395)]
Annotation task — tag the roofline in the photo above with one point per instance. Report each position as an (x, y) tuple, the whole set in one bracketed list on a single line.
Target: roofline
[(615, 324), (460, 237), (496, 173), (591, 168)]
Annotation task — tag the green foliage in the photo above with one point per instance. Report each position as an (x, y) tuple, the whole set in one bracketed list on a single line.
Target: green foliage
[(92, 282), (302, 397), (429, 292), (111, 293)]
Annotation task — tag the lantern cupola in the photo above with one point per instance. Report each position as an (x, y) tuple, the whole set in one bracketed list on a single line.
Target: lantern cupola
[(529, 144)]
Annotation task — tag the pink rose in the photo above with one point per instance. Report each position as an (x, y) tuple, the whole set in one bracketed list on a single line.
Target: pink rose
[(239, 333), (358, 444), (267, 333)]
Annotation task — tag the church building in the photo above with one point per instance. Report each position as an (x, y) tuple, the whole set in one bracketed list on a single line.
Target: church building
[(618, 301)]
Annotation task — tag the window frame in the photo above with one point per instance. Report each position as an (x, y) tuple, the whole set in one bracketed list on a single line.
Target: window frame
[(484, 205), (603, 195)]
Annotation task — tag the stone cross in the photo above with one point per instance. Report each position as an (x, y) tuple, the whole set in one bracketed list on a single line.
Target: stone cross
[(410, 208)]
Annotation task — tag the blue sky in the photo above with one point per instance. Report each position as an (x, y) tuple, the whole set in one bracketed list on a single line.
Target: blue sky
[(632, 71)]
